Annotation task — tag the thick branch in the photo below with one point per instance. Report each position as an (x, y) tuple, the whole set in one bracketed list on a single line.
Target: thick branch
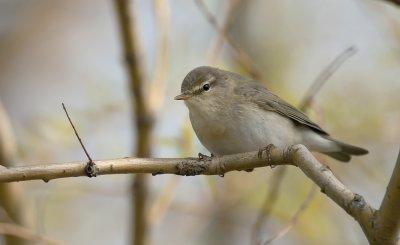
[(298, 155), (388, 217)]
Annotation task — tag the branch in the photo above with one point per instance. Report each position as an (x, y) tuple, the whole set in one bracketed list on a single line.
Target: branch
[(324, 75), (242, 57), (157, 87), (388, 216), (298, 155), (12, 195), (295, 218), (26, 234), (217, 46), (395, 2), (269, 203), (143, 116)]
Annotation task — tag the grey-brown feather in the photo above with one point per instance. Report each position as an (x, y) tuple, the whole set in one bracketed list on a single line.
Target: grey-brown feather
[(261, 96), (239, 114)]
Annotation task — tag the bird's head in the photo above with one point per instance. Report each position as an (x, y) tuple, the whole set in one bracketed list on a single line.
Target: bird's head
[(206, 86)]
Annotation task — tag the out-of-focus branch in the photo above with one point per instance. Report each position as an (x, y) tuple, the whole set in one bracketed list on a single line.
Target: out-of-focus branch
[(242, 57), (216, 49), (157, 90), (387, 220), (7, 140), (323, 77), (271, 198), (396, 2), (163, 202), (11, 194), (143, 117), (25, 234), (160, 207), (296, 216)]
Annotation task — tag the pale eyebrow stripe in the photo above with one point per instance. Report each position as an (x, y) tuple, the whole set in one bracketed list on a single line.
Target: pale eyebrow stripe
[(198, 88)]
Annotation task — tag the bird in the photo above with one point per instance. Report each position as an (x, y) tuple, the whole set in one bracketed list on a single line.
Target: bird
[(233, 114)]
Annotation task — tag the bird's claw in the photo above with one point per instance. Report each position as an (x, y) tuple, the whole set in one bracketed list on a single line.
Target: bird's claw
[(267, 151), (203, 157)]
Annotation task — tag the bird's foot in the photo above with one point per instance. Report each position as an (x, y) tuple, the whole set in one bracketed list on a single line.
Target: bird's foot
[(267, 151), (91, 169), (203, 157)]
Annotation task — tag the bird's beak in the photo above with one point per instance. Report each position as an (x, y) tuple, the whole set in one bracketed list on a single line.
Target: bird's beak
[(182, 96)]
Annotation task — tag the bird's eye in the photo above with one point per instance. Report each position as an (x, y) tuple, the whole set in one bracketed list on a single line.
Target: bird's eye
[(206, 87)]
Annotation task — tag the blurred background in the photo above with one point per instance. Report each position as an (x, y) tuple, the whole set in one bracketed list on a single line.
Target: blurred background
[(71, 52)]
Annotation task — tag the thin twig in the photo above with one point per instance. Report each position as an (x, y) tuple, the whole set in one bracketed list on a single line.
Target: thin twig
[(324, 75), (216, 49), (76, 133), (160, 207), (242, 57), (293, 221), (157, 86)]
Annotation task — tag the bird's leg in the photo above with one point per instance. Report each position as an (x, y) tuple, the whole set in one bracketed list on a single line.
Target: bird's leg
[(267, 151)]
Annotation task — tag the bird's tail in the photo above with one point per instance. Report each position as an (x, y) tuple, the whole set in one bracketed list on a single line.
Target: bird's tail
[(346, 151)]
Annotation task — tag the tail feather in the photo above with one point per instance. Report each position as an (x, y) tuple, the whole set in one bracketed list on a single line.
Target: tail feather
[(346, 151), (351, 149), (340, 156)]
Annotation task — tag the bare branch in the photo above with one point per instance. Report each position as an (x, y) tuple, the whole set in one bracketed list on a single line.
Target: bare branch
[(157, 87), (160, 207), (242, 57), (388, 216), (269, 203), (26, 234), (298, 155), (143, 116), (293, 221), (324, 76), (395, 2), (216, 49), (12, 196)]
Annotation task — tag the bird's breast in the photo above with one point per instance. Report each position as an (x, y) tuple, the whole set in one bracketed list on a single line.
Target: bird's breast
[(241, 128)]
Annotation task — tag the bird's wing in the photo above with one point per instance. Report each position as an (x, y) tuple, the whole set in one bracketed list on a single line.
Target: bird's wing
[(256, 93)]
